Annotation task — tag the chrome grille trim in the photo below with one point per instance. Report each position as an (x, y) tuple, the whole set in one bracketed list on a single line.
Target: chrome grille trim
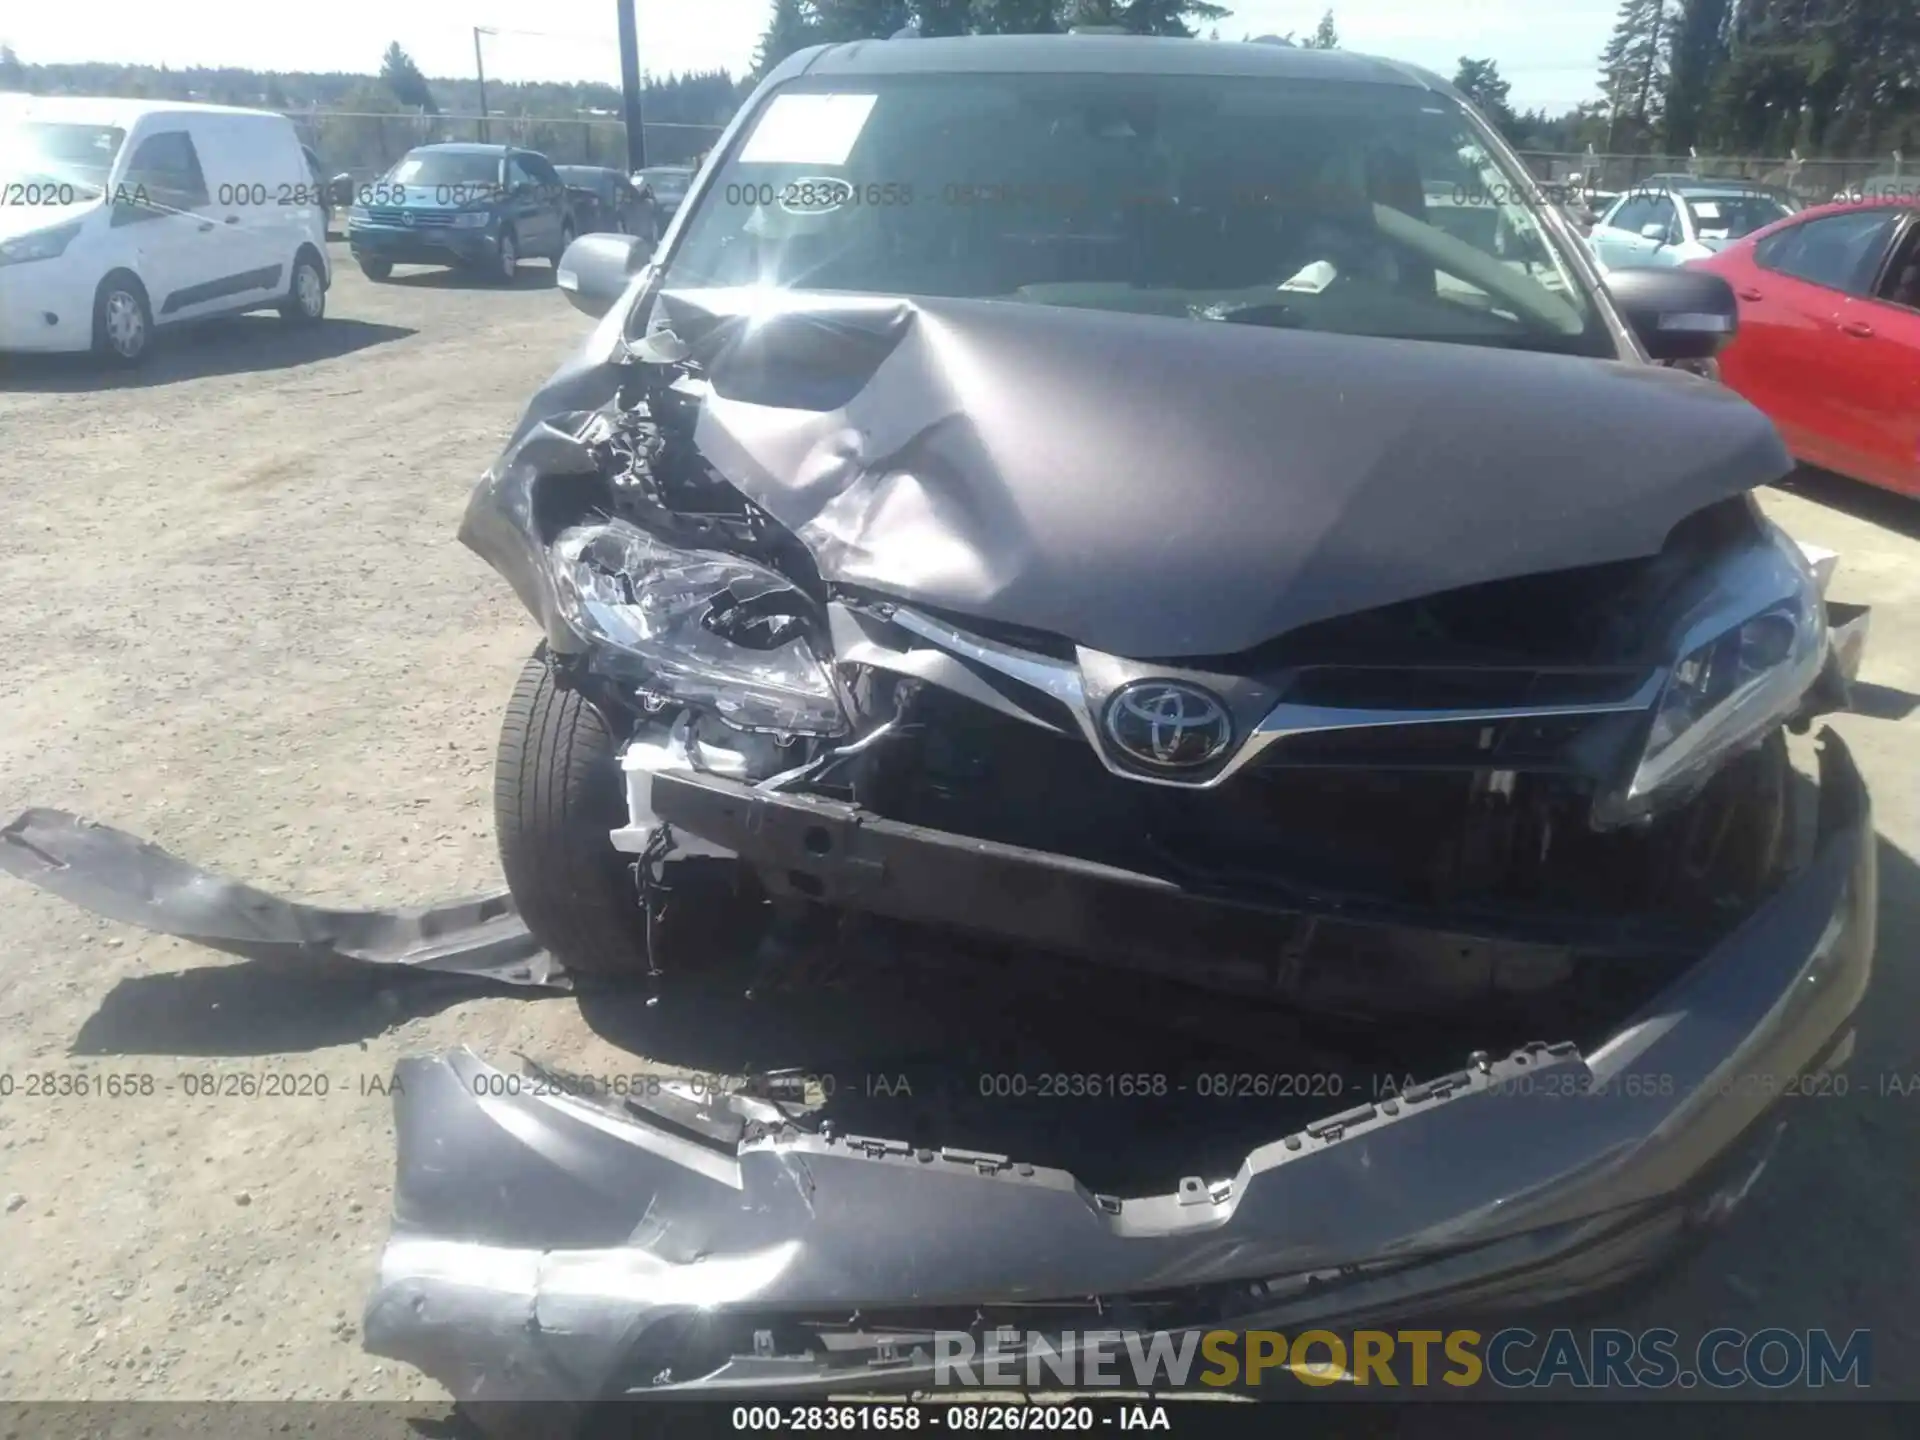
[(1063, 681)]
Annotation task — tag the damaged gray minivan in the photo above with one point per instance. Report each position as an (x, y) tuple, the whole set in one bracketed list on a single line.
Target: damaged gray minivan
[(1082, 498)]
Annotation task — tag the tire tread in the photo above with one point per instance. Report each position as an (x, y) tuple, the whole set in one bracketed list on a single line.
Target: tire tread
[(558, 790)]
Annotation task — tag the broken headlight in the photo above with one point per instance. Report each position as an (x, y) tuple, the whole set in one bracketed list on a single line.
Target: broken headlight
[(699, 627), (1735, 682)]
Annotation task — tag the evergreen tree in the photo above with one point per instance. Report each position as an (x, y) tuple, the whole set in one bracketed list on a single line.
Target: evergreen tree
[(1481, 82), (403, 78), (1015, 17), (1324, 36), (1144, 17), (862, 19), (794, 26), (1633, 67), (1699, 50)]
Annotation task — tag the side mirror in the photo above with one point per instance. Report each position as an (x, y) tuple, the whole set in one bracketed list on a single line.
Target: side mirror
[(596, 268), (1653, 231), (1678, 314)]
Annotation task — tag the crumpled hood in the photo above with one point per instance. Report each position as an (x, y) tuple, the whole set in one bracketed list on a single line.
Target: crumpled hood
[(1156, 488)]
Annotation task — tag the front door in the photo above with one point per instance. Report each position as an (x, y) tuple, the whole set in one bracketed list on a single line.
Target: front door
[(191, 261)]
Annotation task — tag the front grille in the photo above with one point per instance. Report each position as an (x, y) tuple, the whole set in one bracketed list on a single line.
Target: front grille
[(1545, 743), (422, 219), (1374, 821)]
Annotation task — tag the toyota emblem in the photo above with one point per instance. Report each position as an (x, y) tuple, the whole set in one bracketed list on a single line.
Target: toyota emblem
[(1168, 725)]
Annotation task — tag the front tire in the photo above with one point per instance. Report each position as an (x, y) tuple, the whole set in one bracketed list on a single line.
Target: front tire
[(306, 302), (378, 271), (566, 239), (122, 320), (507, 259), (557, 791)]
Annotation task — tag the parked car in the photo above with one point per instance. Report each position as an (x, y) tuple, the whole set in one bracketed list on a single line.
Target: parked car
[(1676, 180), (607, 201), (122, 216), (1829, 343), (668, 184), (1262, 589), (478, 207), (1671, 225)]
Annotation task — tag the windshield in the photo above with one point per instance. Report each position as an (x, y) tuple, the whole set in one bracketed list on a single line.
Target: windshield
[(1728, 217), (1354, 208), (446, 167), (673, 184), (73, 160)]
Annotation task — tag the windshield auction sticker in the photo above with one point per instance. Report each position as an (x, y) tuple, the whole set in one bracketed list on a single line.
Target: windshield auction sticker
[(808, 130)]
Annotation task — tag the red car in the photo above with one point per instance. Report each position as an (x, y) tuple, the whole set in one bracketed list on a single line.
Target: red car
[(1829, 339)]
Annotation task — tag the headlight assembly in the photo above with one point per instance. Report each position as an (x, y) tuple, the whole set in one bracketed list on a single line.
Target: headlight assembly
[(1735, 681), (701, 627), (38, 244), (471, 220)]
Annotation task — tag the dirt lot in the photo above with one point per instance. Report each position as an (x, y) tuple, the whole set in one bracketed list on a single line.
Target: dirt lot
[(238, 623)]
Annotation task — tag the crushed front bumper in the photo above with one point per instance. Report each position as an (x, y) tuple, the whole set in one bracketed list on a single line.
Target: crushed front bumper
[(549, 1248)]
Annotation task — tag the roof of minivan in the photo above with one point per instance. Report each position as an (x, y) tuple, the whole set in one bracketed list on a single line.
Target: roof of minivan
[(1104, 54), (463, 147), (118, 111)]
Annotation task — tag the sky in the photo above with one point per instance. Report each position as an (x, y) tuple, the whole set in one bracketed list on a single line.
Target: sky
[(1549, 59)]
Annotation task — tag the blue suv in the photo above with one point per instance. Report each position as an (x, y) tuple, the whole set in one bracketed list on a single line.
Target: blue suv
[(478, 207)]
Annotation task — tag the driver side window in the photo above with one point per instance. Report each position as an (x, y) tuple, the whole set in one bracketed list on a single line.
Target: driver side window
[(518, 174), (1632, 214), (162, 177), (1664, 214)]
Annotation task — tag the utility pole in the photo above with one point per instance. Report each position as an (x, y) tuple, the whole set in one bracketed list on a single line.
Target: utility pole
[(630, 86), (480, 71)]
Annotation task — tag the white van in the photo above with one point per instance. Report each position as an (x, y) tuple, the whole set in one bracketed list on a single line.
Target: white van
[(117, 216)]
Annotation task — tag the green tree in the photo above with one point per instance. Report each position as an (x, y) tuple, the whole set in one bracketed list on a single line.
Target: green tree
[(943, 17), (1481, 82), (1015, 17), (1324, 37), (862, 19), (793, 27), (1146, 17), (403, 78), (1699, 51), (1633, 69)]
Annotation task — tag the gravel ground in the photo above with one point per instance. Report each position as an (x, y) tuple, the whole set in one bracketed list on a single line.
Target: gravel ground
[(242, 628)]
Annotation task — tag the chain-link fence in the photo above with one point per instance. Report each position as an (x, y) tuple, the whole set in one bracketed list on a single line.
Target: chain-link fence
[(1812, 182), (366, 145)]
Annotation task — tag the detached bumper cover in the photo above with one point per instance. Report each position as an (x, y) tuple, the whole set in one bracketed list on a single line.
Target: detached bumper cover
[(124, 878), (545, 1248)]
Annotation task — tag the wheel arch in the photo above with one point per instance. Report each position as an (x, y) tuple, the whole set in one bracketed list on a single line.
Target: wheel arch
[(309, 251)]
